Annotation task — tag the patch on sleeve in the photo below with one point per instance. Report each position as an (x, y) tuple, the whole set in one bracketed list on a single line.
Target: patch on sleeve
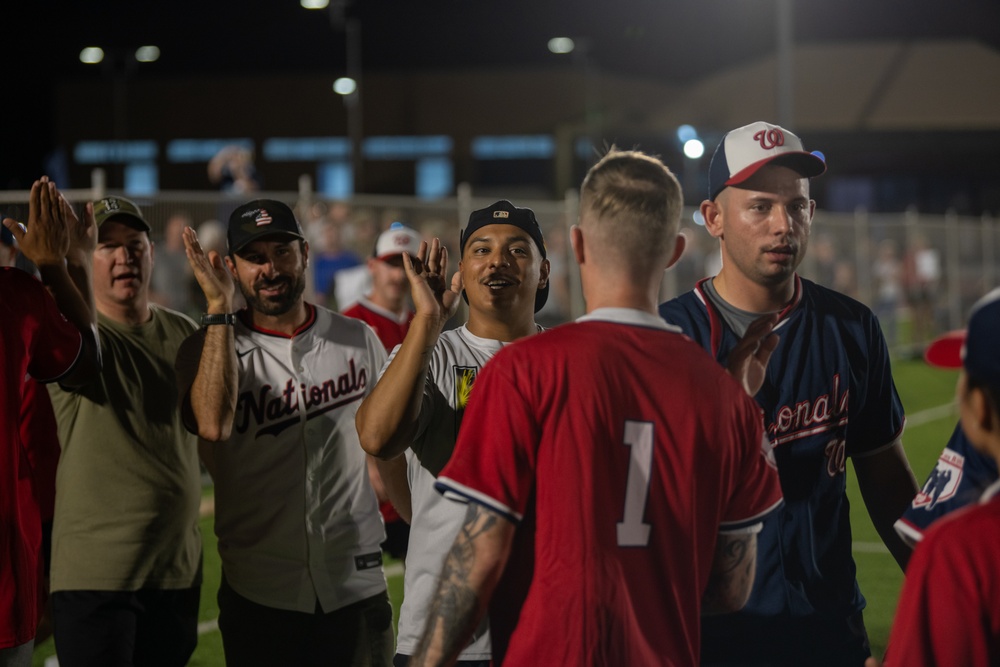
[(942, 482), (368, 561)]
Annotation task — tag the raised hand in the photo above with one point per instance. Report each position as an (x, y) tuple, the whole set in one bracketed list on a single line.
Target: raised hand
[(432, 295), (211, 273), (82, 231), (46, 240), (748, 360)]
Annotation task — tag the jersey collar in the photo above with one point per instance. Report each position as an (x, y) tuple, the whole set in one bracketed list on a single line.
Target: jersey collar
[(630, 316)]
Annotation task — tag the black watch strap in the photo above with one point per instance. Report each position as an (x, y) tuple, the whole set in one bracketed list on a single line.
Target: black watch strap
[(218, 318)]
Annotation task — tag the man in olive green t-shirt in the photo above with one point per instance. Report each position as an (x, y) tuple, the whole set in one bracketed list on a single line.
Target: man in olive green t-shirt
[(126, 548)]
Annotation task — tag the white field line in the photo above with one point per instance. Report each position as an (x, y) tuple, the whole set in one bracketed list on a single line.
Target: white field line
[(932, 415)]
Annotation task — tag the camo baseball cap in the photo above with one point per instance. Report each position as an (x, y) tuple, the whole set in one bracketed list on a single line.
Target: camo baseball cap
[(119, 207)]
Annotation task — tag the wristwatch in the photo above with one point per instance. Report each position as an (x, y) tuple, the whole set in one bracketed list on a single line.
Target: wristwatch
[(218, 318)]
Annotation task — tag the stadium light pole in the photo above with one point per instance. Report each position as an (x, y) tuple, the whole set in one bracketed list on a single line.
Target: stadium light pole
[(786, 85), (119, 65), (343, 20)]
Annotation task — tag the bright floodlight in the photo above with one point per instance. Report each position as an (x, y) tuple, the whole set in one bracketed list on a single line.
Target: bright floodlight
[(147, 54), (561, 45), (686, 133), (694, 149), (314, 4), (92, 55), (345, 85)]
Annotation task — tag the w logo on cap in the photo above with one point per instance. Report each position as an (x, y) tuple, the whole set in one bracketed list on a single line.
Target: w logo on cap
[(263, 218), (771, 138)]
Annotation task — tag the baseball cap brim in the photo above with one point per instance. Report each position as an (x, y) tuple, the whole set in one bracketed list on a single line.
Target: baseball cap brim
[(946, 351), (807, 164)]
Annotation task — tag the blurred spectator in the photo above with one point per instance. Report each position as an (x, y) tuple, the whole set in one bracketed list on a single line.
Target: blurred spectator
[(386, 309), (232, 169), (328, 257), (923, 277), (824, 256), (171, 284), (888, 274)]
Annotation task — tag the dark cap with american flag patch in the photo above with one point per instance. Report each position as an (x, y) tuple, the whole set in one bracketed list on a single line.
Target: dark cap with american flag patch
[(260, 218)]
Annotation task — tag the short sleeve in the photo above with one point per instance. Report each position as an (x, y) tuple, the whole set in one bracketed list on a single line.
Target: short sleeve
[(757, 490), (55, 343), (879, 411), (494, 460)]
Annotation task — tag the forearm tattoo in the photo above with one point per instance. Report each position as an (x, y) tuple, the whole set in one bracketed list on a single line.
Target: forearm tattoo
[(458, 604), (732, 574)]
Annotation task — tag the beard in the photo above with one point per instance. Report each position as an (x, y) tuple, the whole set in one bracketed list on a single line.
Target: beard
[(279, 304)]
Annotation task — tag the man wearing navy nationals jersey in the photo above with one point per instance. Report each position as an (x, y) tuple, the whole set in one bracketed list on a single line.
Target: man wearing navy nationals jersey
[(828, 395), (272, 390), (615, 475)]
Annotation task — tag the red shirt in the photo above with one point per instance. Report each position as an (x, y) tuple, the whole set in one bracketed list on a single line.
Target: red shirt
[(390, 328), (36, 340), (949, 608), (620, 448)]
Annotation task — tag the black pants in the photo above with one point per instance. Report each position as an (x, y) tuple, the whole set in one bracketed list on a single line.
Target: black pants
[(359, 634), (155, 628)]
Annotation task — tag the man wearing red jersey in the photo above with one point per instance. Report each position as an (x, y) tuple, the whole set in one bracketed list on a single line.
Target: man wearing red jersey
[(615, 475), (385, 309), (43, 340)]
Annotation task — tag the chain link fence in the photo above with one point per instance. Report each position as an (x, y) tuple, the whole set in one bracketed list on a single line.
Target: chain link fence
[(919, 273)]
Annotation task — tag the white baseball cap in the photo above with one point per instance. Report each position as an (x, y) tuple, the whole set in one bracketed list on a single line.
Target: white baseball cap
[(743, 151), (396, 240)]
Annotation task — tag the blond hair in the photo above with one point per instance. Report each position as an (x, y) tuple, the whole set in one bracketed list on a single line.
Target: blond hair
[(631, 202)]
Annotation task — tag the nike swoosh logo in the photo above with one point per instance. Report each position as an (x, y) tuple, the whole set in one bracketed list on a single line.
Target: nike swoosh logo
[(240, 355)]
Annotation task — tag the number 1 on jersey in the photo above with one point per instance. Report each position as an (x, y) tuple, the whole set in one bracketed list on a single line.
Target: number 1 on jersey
[(632, 531)]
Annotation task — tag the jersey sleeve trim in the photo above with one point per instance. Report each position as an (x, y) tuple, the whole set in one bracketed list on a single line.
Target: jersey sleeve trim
[(69, 368), (746, 525), (909, 532), (871, 452), (455, 491)]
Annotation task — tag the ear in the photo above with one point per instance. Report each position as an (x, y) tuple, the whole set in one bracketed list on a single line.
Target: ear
[(711, 211), (576, 240), (231, 265), (986, 419), (679, 244), (543, 273), (305, 254)]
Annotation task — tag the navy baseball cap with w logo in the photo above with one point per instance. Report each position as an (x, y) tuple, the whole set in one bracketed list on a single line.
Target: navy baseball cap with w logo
[(505, 213), (743, 151), (259, 218)]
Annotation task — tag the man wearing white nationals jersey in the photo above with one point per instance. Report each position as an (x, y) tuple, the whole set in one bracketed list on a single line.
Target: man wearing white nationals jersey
[(615, 475), (273, 390), (418, 403), (828, 395)]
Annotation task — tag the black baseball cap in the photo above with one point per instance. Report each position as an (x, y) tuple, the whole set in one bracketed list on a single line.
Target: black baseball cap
[(505, 213), (259, 218)]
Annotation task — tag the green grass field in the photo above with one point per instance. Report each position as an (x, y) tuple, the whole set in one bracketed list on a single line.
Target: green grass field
[(920, 388)]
